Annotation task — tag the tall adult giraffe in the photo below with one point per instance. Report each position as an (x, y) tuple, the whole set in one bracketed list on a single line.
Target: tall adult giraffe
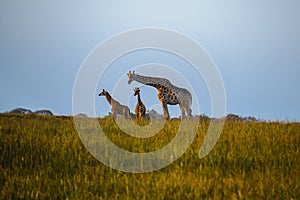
[(140, 109), (116, 107), (167, 93)]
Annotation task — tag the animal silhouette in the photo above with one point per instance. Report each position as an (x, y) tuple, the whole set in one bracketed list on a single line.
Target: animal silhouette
[(167, 93), (116, 107), (140, 109)]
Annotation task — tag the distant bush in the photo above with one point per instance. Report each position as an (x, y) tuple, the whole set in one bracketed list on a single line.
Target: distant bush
[(81, 115), (234, 117), (43, 112), (20, 111), (27, 111)]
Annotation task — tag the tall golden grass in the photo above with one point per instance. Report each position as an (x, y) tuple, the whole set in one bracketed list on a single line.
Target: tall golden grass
[(42, 157)]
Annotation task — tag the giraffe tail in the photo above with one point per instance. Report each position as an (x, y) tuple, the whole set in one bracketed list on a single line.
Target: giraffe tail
[(190, 106)]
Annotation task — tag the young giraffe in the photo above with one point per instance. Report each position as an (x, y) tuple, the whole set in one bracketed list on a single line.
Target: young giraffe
[(140, 109), (116, 107), (167, 93)]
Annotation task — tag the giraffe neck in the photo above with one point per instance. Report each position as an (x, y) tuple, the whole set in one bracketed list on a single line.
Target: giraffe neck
[(108, 98), (139, 99), (151, 81)]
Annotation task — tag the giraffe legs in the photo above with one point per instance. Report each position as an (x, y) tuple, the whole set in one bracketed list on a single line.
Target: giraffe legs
[(126, 113), (140, 117), (182, 111), (122, 111), (188, 112), (161, 98), (185, 111), (113, 113), (166, 111)]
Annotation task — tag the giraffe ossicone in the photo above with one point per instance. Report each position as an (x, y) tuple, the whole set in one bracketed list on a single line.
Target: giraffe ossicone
[(167, 93)]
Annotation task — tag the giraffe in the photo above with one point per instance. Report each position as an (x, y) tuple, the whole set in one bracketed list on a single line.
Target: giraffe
[(116, 107), (167, 93), (140, 108)]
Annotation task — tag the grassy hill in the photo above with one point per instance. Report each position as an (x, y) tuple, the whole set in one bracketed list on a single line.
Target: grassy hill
[(42, 157)]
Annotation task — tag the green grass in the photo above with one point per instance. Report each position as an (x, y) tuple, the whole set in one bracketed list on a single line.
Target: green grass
[(42, 157)]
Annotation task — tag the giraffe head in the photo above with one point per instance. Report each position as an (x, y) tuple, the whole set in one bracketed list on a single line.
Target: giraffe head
[(136, 91), (103, 93), (130, 76)]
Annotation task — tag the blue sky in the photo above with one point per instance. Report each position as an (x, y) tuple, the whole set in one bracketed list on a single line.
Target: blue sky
[(255, 45)]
